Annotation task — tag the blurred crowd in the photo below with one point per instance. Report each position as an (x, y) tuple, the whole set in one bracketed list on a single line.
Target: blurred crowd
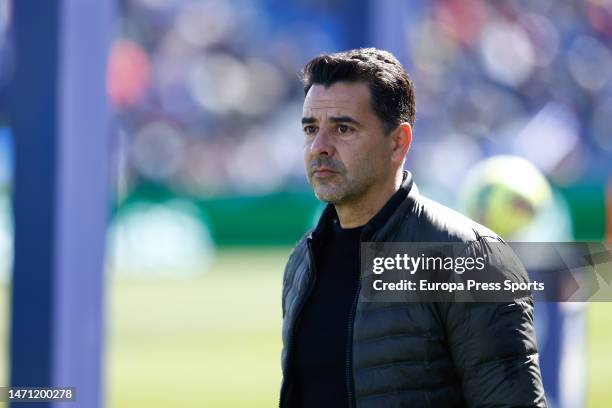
[(208, 92), (209, 97), (513, 77)]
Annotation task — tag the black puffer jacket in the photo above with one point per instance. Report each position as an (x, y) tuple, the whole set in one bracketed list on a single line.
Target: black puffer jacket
[(425, 354)]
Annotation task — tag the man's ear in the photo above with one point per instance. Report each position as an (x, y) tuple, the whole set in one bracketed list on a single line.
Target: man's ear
[(402, 138)]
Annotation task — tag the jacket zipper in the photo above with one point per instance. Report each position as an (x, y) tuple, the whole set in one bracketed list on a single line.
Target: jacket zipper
[(350, 383), (297, 319)]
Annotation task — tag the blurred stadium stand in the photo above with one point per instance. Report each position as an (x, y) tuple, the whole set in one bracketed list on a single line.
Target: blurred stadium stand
[(207, 95)]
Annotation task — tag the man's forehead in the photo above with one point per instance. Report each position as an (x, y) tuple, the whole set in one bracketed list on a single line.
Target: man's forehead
[(339, 97)]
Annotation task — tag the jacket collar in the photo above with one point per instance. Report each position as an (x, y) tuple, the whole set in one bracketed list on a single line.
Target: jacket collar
[(377, 222)]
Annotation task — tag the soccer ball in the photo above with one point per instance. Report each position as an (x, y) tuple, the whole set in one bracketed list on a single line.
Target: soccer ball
[(505, 193)]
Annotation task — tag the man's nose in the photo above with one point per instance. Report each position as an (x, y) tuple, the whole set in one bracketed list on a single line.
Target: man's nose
[(322, 144)]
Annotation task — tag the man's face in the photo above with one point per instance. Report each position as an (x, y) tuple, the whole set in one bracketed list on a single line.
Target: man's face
[(346, 151)]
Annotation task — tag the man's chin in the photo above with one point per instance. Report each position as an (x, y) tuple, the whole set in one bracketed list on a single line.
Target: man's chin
[(327, 196), (330, 196)]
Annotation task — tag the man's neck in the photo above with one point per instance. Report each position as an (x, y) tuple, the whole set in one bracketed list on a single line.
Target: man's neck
[(359, 212)]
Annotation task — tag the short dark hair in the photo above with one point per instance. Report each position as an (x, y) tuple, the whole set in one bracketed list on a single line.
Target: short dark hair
[(391, 90)]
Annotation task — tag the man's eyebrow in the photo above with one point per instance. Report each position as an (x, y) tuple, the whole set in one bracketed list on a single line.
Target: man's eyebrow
[(344, 119), (333, 119)]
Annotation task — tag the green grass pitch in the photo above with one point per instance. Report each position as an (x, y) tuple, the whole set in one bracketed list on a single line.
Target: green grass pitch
[(214, 341)]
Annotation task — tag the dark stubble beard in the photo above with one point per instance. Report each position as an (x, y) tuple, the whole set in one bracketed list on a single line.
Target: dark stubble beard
[(339, 191)]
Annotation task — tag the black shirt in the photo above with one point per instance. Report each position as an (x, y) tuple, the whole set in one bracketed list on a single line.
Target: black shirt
[(321, 338)]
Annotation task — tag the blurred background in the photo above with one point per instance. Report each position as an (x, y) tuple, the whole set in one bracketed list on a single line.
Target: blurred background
[(208, 187)]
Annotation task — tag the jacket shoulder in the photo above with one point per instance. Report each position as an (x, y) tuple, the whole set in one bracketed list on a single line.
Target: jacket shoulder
[(438, 223), (435, 222)]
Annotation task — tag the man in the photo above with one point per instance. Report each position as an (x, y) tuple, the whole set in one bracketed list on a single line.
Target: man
[(358, 116)]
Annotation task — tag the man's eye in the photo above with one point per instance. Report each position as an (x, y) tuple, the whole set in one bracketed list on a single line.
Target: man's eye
[(343, 129), (309, 130)]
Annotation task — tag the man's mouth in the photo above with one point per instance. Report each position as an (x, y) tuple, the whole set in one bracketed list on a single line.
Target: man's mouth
[(323, 172)]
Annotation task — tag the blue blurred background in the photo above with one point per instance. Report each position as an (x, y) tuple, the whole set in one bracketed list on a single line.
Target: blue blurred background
[(208, 178), (207, 95)]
